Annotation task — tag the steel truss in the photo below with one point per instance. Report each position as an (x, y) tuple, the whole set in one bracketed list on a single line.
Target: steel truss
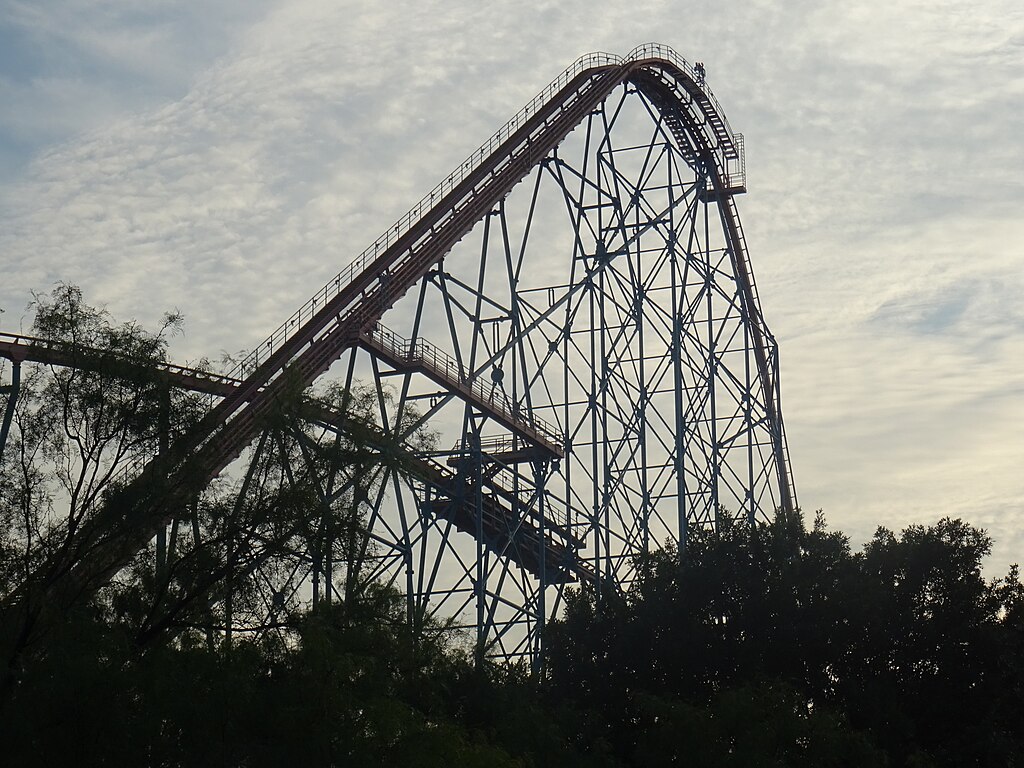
[(574, 371)]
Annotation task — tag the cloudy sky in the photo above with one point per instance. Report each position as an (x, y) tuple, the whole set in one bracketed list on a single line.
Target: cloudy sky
[(226, 159)]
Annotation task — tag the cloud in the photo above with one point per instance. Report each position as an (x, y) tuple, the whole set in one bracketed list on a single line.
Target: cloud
[(71, 66)]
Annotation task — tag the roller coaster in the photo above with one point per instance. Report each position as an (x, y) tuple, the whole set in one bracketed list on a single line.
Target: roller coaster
[(574, 371)]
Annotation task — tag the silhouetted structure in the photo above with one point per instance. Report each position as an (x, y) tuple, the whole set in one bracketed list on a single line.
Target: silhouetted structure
[(572, 314)]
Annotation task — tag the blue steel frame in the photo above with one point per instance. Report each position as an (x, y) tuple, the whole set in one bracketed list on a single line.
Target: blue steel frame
[(594, 366), (595, 377)]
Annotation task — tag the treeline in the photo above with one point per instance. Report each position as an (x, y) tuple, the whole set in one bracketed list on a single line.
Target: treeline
[(767, 646)]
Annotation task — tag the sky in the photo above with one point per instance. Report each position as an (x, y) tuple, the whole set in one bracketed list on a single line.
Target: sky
[(227, 159)]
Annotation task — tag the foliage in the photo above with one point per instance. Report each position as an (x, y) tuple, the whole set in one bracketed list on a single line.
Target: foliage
[(905, 656), (357, 689), (77, 426), (778, 645)]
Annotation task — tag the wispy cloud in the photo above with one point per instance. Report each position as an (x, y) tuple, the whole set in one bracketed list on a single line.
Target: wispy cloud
[(69, 66)]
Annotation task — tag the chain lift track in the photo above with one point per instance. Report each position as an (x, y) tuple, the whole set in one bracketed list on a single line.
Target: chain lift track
[(648, 376)]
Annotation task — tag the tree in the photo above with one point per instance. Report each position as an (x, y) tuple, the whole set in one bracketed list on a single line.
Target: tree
[(78, 426), (778, 645), (229, 557), (925, 672)]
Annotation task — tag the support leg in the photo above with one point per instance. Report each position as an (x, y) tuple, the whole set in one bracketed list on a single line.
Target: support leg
[(12, 391)]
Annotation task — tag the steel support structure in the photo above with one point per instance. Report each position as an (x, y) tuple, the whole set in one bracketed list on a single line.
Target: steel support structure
[(11, 391), (574, 370)]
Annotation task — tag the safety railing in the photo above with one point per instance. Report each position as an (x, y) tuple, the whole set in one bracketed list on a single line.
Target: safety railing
[(492, 444), (659, 51), (414, 214), (433, 360), (736, 167)]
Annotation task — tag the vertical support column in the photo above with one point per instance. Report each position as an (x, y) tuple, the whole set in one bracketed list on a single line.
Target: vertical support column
[(12, 390), (595, 461), (327, 555), (640, 294), (680, 421), (540, 475), (317, 555), (163, 443), (604, 518), (715, 475), (229, 597), (480, 580), (411, 611), (748, 410)]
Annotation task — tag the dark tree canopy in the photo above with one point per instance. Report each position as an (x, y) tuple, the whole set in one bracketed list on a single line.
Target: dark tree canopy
[(781, 641)]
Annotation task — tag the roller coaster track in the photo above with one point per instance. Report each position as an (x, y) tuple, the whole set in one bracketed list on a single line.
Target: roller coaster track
[(346, 313), (307, 345), (22, 348), (448, 373)]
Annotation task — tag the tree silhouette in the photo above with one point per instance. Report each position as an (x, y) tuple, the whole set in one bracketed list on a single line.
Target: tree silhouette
[(778, 645)]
